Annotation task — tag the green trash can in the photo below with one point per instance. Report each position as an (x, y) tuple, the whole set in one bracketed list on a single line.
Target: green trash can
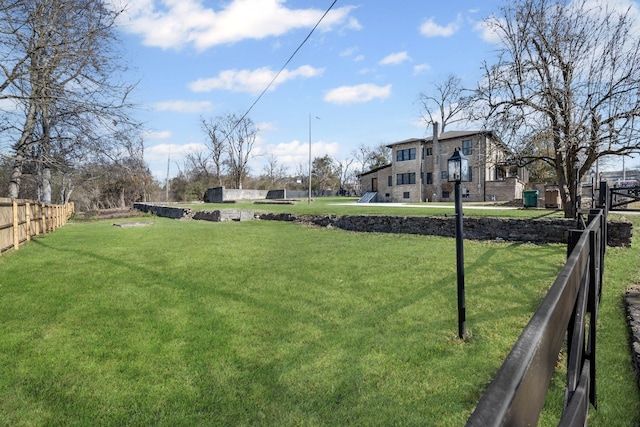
[(530, 198)]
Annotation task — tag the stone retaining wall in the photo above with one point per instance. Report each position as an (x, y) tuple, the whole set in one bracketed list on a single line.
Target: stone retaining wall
[(163, 211), (619, 233), (224, 215), (633, 315), (475, 228)]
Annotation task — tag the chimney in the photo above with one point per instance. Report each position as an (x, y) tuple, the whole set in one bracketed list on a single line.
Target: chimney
[(435, 159)]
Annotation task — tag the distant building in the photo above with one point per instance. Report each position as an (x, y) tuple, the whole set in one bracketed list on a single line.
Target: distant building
[(418, 171)]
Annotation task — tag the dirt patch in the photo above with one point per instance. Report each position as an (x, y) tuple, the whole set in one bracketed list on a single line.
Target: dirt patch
[(132, 224), (93, 215)]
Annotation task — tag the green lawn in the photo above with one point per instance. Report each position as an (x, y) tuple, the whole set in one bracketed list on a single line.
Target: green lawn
[(348, 206), (268, 323)]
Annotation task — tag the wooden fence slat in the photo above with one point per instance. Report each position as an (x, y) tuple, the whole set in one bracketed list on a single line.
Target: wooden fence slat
[(38, 218), (28, 220), (16, 234)]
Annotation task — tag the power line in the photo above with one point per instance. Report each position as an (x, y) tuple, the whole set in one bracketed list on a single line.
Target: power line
[(284, 66)]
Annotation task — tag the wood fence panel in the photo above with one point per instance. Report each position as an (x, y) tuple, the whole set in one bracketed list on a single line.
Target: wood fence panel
[(22, 219), (6, 225)]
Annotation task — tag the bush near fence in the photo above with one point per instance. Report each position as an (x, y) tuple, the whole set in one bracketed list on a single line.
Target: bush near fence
[(22, 219)]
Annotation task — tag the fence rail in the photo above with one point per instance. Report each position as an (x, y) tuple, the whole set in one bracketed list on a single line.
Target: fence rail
[(22, 219), (569, 311)]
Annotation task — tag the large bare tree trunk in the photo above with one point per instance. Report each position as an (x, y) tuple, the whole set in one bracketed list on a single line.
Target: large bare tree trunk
[(21, 152)]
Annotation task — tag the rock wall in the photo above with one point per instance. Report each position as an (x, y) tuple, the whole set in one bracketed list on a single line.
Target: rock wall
[(619, 233), (163, 211), (223, 215), (633, 314), (475, 228)]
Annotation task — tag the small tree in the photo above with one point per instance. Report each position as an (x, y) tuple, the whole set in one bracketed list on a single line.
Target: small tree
[(324, 173)]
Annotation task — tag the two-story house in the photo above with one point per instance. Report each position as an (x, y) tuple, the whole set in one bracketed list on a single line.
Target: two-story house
[(418, 171)]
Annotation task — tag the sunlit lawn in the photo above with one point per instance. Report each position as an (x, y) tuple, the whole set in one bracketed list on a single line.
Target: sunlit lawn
[(199, 323), (348, 206)]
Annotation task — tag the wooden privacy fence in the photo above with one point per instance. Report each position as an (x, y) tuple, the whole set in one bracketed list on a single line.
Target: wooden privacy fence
[(22, 219), (570, 310)]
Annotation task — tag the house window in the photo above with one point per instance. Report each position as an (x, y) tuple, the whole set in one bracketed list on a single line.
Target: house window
[(467, 147), (445, 194), (405, 195), (429, 178), (444, 175), (470, 174), (406, 178), (408, 154), (429, 151), (390, 181)]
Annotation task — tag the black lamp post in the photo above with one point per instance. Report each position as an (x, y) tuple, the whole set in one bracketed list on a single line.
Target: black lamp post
[(576, 203), (458, 171)]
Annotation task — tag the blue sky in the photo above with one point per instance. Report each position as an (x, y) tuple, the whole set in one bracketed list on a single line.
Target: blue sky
[(360, 72)]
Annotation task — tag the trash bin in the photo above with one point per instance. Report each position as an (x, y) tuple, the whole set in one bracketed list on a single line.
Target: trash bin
[(530, 198)]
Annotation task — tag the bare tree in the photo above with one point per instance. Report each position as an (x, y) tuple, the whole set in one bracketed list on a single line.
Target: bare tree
[(215, 144), (362, 155), (273, 172), (230, 140), (447, 103), (64, 71), (240, 136), (567, 72), (344, 172)]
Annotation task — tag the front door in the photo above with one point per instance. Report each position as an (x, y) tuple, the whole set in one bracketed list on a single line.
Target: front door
[(374, 184)]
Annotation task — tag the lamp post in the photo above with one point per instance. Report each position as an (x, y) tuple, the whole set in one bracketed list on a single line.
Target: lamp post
[(576, 202), (458, 171)]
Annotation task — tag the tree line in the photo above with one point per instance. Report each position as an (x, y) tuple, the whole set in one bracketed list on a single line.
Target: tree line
[(66, 115), (228, 148)]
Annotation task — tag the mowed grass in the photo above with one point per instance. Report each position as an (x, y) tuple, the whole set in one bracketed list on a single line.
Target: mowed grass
[(267, 323), (348, 206)]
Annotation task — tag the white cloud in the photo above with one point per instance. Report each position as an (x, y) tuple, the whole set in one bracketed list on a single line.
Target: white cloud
[(430, 29), (179, 106), (177, 23), (295, 153), (395, 58), (157, 135), (251, 81), (266, 127), (161, 152), (486, 31), (357, 94), (421, 68), (349, 51)]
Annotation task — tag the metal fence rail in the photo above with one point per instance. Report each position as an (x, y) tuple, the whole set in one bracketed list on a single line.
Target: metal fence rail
[(570, 309)]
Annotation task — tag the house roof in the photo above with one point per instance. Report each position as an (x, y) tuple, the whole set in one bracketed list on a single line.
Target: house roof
[(442, 137), (374, 170)]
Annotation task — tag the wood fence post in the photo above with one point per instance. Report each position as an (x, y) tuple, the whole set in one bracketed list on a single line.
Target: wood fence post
[(27, 218), (16, 235), (43, 222)]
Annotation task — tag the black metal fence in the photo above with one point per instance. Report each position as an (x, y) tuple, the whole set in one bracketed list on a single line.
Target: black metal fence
[(570, 310)]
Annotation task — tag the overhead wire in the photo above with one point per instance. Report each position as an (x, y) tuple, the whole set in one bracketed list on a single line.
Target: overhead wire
[(283, 67)]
